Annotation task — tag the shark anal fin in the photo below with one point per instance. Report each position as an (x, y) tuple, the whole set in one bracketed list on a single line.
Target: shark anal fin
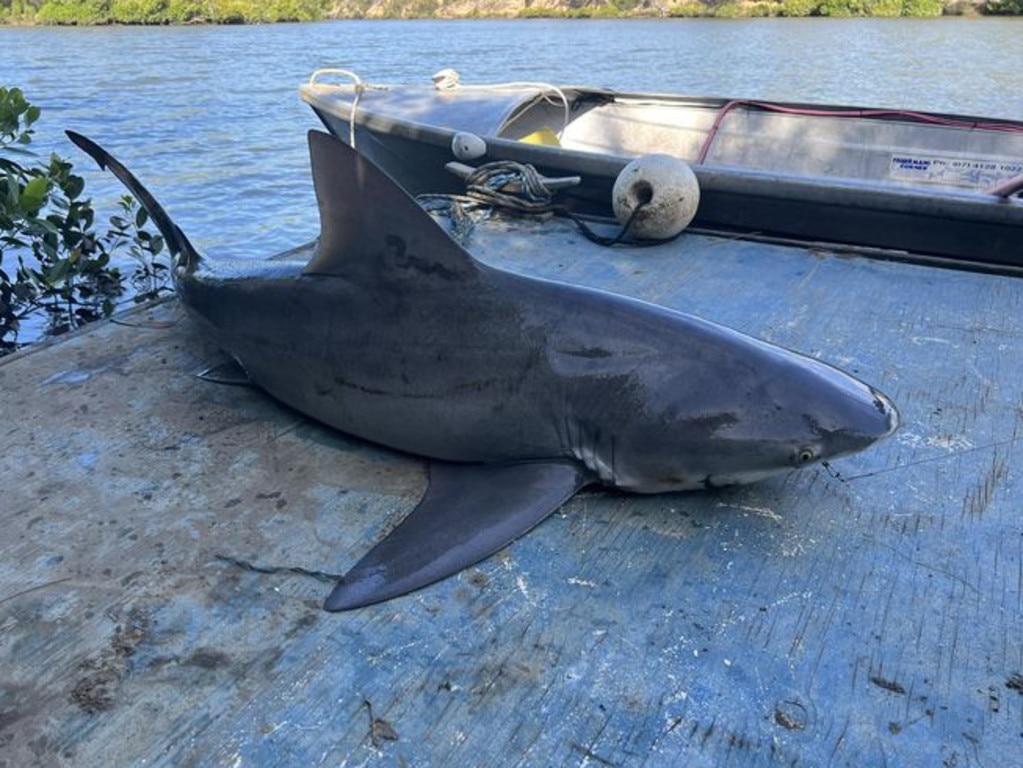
[(469, 511)]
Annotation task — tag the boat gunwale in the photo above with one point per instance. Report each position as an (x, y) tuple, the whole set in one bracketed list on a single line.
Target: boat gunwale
[(963, 121)]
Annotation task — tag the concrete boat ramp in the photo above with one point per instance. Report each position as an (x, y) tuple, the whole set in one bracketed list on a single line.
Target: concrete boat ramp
[(870, 615)]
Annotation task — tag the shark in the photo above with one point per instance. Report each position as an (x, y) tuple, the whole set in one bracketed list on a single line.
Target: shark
[(519, 391)]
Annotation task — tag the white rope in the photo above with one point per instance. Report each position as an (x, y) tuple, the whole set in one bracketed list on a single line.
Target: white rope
[(448, 79), (358, 87)]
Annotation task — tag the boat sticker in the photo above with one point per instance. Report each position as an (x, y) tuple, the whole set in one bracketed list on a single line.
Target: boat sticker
[(979, 172)]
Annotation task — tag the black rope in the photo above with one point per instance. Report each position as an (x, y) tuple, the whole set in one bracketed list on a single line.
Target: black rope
[(488, 182), (486, 189), (623, 233), (274, 569)]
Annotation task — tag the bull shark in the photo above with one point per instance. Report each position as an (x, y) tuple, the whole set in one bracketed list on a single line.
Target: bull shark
[(519, 390)]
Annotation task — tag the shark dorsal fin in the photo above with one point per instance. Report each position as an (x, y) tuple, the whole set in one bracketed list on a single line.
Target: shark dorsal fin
[(369, 227)]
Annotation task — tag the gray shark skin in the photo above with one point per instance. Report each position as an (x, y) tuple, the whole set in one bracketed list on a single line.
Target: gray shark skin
[(520, 390)]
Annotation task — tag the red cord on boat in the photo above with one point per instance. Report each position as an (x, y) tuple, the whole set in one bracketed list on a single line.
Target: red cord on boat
[(919, 117)]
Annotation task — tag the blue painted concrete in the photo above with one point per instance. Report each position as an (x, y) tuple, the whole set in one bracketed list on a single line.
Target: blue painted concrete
[(871, 615)]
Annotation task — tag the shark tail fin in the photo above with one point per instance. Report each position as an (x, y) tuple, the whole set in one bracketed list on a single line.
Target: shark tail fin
[(185, 255)]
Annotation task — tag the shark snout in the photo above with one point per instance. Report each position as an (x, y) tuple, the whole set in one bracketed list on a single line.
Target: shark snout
[(888, 412), (861, 423)]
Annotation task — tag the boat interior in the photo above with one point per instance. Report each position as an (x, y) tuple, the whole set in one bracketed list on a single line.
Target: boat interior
[(890, 146)]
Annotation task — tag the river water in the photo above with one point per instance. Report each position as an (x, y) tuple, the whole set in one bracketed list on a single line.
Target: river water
[(210, 119)]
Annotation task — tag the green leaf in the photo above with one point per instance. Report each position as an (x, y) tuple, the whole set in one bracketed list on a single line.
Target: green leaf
[(20, 151), (59, 273), (33, 196), (74, 187)]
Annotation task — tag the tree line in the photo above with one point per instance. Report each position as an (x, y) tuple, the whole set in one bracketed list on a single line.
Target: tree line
[(96, 12)]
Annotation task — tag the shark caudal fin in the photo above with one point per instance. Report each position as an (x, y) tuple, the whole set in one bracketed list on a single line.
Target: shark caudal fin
[(184, 253)]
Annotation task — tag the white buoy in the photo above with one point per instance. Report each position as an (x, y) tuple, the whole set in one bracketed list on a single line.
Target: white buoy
[(667, 189), (468, 146)]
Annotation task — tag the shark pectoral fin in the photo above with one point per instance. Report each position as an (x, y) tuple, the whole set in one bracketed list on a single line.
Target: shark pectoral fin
[(469, 511), (230, 372)]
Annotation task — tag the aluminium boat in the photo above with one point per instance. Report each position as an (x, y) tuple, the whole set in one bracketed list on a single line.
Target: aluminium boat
[(918, 185)]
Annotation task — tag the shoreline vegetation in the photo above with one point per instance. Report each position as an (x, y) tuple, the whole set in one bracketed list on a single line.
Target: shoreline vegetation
[(161, 12), (56, 270)]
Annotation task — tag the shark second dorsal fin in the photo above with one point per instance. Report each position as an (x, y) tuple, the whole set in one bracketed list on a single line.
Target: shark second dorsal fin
[(369, 225)]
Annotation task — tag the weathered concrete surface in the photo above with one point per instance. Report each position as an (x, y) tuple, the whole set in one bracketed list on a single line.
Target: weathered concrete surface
[(872, 618)]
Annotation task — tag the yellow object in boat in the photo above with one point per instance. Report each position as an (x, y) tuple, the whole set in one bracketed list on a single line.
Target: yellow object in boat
[(544, 136)]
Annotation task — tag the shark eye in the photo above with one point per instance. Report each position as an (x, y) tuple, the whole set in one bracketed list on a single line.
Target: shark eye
[(804, 456)]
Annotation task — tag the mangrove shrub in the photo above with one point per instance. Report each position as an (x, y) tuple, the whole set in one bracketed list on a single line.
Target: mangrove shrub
[(55, 265)]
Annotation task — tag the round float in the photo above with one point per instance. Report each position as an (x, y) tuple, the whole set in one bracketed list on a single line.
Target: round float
[(663, 188)]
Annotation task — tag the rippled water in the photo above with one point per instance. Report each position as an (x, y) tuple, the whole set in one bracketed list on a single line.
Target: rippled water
[(209, 117)]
